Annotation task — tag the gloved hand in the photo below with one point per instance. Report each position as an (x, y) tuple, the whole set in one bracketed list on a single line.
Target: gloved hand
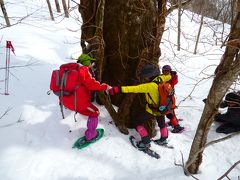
[(162, 109), (114, 90), (173, 73), (109, 87), (174, 79)]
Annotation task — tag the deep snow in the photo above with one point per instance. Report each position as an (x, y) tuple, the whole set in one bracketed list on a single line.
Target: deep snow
[(35, 140)]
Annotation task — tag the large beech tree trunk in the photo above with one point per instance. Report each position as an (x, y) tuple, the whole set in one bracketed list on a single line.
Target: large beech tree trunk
[(123, 36), (227, 71)]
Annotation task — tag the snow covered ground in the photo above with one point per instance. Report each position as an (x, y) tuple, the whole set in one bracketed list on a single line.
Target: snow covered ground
[(35, 140)]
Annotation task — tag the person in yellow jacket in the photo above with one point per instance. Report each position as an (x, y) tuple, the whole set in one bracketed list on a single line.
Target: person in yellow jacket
[(150, 75)]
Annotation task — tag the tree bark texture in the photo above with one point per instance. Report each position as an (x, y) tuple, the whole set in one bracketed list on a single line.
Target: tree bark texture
[(179, 26), (50, 10), (198, 35), (226, 73), (57, 6), (129, 33), (65, 8), (4, 11)]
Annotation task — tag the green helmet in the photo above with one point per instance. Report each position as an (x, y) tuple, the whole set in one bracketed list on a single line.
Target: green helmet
[(85, 59)]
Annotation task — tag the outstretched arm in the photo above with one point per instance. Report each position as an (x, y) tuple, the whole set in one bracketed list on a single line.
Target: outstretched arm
[(90, 82)]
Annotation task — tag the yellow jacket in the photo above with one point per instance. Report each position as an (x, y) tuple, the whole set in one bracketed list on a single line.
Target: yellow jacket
[(150, 88)]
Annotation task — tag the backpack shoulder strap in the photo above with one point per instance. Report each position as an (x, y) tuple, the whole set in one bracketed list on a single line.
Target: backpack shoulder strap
[(155, 104), (151, 99), (158, 80), (66, 68)]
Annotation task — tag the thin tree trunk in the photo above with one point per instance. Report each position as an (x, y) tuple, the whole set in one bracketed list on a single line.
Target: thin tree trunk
[(57, 6), (223, 30), (65, 8), (227, 71), (179, 25), (4, 11), (198, 35), (232, 11), (50, 10)]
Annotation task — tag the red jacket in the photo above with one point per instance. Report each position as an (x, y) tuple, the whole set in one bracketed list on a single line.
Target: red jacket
[(83, 93)]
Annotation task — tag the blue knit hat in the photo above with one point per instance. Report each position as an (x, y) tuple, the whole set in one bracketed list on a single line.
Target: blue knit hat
[(149, 71), (166, 68)]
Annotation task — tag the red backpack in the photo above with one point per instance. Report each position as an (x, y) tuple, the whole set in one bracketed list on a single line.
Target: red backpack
[(166, 97), (65, 82)]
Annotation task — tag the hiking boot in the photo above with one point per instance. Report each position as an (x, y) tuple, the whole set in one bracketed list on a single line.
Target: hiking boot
[(161, 141), (142, 146), (177, 129), (144, 143), (169, 123)]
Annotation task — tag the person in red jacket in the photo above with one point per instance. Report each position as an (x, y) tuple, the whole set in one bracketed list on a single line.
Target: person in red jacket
[(82, 101), (166, 70)]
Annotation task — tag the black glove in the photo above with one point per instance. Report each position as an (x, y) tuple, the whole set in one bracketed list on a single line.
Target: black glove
[(223, 104), (173, 72), (204, 100), (114, 90)]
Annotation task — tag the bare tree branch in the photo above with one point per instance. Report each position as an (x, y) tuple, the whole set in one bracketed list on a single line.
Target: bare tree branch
[(183, 165), (5, 113), (192, 90), (230, 169), (176, 6), (21, 19), (75, 2), (20, 66), (13, 123)]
